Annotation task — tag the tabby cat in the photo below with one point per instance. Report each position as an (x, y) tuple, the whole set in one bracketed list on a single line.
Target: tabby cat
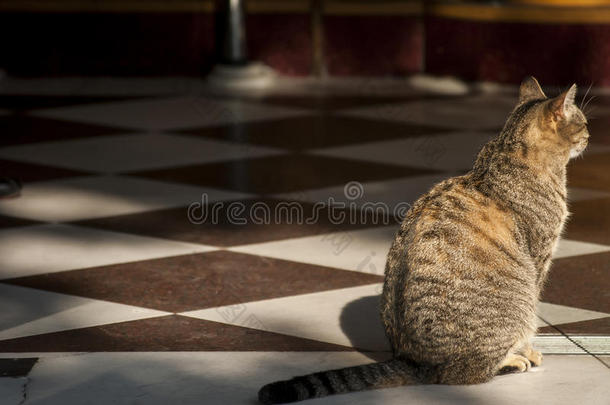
[(469, 261)]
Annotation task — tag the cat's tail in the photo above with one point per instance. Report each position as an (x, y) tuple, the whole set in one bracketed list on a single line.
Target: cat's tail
[(391, 373)]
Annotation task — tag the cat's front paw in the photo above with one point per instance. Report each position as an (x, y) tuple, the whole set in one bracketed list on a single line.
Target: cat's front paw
[(514, 363), (534, 356)]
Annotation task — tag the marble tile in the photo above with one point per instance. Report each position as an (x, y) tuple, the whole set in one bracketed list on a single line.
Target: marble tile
[(332, 102), (17, 367), (396, 194), (590, 220), (314, 131), (11, 389), (558, 314), (221, 378), (576, 194), (239, 222), (169, 113), (102, 196), (10, 222), (599, 326), (591, 171), (281, 174), (188, 282), (34, 312), (120, 153), (44, 249), (598, 345), (350, 317), (568, 248), (363, 251), (452, 152), (580, 281), (28, 172), (23, 128), (464, 113), (553, 344), (347, 317), (160, 334), (27, 102)]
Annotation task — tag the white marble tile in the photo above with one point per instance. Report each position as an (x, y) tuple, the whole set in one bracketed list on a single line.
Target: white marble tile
[(454, 151), (558, 314), (89, 197), (219, 378), (347, 316), (169, 113), (599, 345), (34, 312), (122, 153), (569, 248), (350, 317), (480, 112), (556, 345), (11, 390), (363, 251), (43, 249)]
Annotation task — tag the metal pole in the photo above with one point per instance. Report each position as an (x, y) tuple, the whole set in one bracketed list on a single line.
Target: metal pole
[(235, 70), (233, 33)]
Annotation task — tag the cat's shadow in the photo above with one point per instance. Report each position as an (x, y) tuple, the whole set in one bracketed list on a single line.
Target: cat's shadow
[(361, 323)]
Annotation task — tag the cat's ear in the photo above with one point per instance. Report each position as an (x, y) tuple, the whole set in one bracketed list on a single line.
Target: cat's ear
[(562, 104), (530, 90)]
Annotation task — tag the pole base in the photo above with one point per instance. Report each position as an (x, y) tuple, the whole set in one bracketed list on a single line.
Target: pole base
[(251, 75)]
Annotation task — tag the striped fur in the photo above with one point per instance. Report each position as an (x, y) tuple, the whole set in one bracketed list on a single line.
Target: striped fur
[(468, 263)]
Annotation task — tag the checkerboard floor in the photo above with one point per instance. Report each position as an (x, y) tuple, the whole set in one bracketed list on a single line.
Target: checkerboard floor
[(116, 287)]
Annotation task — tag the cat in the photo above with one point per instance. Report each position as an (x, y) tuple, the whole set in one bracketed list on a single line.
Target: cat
[(468, 263)]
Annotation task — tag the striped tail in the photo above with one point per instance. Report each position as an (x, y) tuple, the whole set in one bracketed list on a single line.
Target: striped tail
[(391, 373)]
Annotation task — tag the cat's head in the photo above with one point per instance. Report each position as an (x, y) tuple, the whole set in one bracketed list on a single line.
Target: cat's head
[(553, 126)]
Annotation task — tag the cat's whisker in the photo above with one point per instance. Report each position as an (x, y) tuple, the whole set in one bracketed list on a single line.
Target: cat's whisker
[(585, 96), (587, 103)]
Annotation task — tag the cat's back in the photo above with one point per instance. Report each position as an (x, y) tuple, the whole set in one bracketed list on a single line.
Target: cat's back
[(458, 264), (456, 220)]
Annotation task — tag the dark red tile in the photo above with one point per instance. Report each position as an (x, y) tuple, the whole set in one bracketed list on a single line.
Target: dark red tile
[(592, 171), (593, 327), (197, 281), (17, 367), (23, 128), (331, 102), (220, 227), (168, 333), (581, 282), (30, 172), (10, 222), (590, 221), (25, 102), (281, 174), (316, 131)]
